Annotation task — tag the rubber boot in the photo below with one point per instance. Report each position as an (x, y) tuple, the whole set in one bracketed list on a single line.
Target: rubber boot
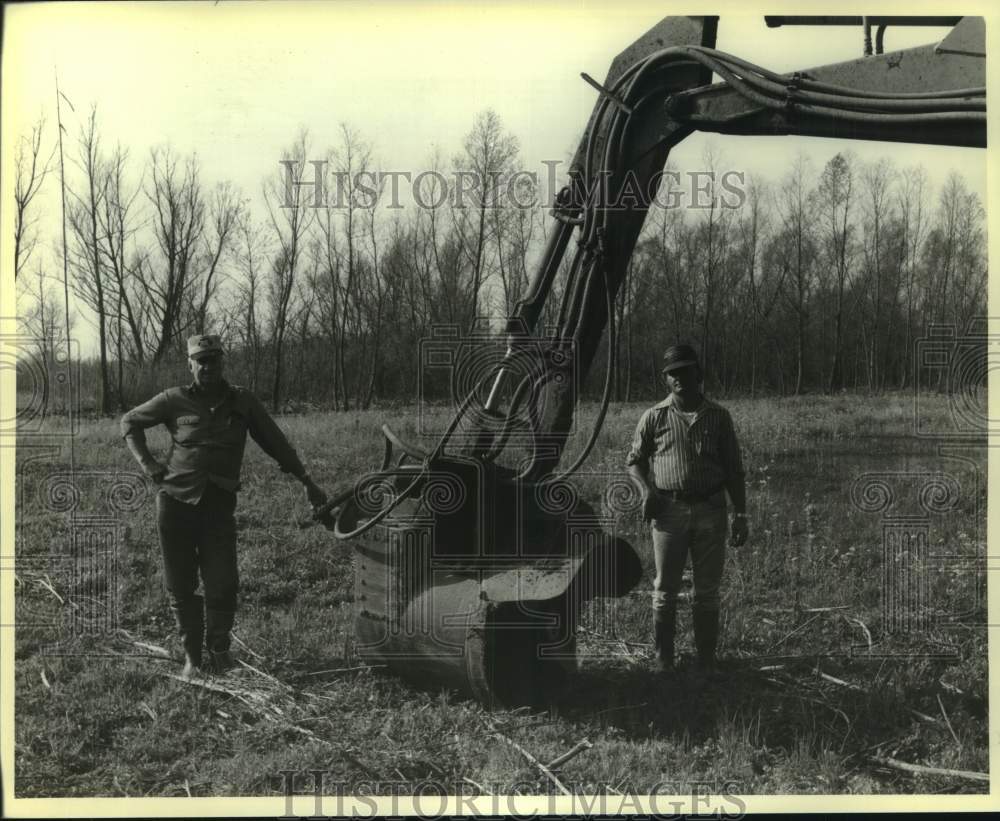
[(217, 626), (664, 626), (190, 616), (706, 637)]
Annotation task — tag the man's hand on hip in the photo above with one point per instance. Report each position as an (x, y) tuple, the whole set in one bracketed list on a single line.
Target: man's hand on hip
[(155, 471), (740, 530)]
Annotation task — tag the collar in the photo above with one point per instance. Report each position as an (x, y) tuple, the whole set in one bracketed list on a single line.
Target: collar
[(194, 389), (706, 403)]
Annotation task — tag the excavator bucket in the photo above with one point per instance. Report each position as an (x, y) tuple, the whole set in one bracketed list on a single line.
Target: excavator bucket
[(478, 579), (476, 582)]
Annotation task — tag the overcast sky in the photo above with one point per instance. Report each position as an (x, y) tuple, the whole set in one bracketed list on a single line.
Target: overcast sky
[(235, 81)]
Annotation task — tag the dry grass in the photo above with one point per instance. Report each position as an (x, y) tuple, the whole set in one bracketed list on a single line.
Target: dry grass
[(803, 709)]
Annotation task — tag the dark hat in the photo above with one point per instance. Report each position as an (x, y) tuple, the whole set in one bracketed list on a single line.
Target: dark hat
[(204, 343), (679, 356)]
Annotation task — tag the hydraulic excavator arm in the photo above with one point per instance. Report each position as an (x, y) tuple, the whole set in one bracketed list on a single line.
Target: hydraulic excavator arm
[(481, 590), (658, 93)]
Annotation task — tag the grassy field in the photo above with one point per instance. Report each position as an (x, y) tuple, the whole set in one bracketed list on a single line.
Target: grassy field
[(817, 694)]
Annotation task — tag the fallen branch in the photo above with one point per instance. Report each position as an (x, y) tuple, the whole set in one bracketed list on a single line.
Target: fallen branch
[(798, 629), (538, 764), (48, 586), (948, 722), (261, 673), (208, 685), (922, 716), (154, 649), (840, 682), (479, 787), (571, 753), (851, 686), (920, 769), (864, 627), (623, 707), (244, 645), (346, 669)]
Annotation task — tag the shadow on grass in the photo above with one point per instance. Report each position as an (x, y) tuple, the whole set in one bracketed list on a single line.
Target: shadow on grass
[(780, 708)]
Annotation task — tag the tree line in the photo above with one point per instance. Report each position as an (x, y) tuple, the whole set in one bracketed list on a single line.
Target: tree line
[(821, 280)]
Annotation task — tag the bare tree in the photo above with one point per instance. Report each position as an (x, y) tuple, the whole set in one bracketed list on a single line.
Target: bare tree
[(92, 280), (178, 226), (877, 178), (374, 295), (515, 230), (223, 216), (30, 170), (752, 229), (799, 250), (711, 237), (116, 227), (487, 160), (252, 251), (910, 205), (290, 215), (39, 320), (835, 231)]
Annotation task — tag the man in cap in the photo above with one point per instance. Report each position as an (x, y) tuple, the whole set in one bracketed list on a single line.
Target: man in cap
[(684, 458), (208, 422)]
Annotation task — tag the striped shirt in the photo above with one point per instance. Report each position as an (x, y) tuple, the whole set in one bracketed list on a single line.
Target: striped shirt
[(207, 442), (699, 456)]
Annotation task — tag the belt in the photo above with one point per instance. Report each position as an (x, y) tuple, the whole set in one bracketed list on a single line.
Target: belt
[(691, 495)]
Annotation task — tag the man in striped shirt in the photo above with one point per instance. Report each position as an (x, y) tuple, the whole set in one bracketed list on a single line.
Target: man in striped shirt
[(684, 458)]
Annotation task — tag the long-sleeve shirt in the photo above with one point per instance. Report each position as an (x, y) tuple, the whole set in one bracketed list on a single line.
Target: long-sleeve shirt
[(208, 442), (699, 455)]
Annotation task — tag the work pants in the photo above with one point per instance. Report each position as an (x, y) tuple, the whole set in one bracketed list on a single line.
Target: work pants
[(680, 529), (200, 540)]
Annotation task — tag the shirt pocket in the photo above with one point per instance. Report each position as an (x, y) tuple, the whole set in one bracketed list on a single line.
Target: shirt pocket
[(187, 428), (664, 438), (229, 428), (237, 422), (707, 443)]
